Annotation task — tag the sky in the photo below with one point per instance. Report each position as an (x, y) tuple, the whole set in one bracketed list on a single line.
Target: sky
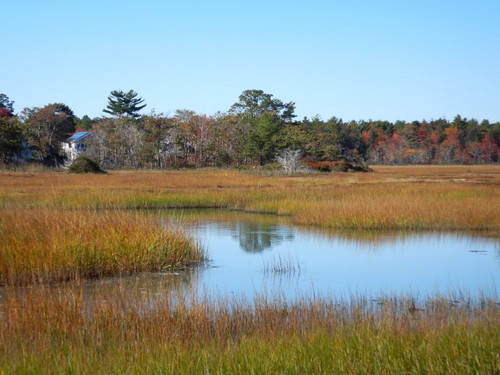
[(354, 59)]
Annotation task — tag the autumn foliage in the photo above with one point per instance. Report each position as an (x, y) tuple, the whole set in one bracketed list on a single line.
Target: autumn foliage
[(254, 132)]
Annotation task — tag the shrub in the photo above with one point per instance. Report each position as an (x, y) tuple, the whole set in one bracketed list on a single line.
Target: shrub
[(84, 164), (336, 166), (223, 159)]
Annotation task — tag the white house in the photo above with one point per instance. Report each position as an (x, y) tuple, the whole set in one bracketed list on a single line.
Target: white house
[(75, 145)]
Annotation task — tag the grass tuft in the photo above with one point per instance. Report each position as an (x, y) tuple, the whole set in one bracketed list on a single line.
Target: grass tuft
[(58, 245)]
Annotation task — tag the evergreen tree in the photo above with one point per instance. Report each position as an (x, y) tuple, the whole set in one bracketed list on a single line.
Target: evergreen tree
[(6, 103), (261, 141), (11, 136), (124, 104)]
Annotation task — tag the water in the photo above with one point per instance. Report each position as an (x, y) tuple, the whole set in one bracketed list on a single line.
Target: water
[(263, 255), (252, 255)]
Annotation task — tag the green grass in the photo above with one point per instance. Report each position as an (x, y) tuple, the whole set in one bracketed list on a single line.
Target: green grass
[(45, 331)]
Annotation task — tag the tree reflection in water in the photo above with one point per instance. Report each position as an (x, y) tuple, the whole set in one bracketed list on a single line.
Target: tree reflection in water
[(255, 237)]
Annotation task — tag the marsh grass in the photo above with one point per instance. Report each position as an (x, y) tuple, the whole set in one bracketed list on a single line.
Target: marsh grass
[(41, 246), (282, 265), (47, 331), (55, 227), (425, 206), (391, 198)]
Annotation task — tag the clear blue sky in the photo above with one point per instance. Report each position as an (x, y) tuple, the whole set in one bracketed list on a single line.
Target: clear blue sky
[(354, 59)]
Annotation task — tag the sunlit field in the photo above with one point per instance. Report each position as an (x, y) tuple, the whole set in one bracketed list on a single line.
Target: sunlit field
[(48, 245), (417, 197), (57, 229)]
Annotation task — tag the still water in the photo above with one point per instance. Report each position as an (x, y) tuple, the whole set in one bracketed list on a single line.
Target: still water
[(252, 254), (263, 255)]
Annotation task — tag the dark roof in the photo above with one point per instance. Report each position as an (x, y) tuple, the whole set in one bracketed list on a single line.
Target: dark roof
[(77, 136)]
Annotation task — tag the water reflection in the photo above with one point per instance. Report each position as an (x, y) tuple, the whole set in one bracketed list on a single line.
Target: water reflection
[(143, 289), (178, 282), (341, 262), (257, 237), (266, 255)]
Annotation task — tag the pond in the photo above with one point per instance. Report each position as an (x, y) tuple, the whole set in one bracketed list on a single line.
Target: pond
[(256, 255), (264, 255)]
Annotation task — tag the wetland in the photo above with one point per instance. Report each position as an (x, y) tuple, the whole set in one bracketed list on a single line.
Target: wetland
[(219, 271)]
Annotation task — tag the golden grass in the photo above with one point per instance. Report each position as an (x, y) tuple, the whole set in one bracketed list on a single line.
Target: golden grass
[(49, 331), (416, 197), (39, 246), (55, 226), (407, 206)]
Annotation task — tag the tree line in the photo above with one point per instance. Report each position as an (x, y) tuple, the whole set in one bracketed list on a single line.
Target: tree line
[(253, 131)]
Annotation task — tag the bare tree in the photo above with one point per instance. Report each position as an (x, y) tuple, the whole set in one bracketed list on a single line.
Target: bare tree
[(132, 139), (289, 160)]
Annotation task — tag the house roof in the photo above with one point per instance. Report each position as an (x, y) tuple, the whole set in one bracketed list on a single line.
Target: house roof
[(77, 136)]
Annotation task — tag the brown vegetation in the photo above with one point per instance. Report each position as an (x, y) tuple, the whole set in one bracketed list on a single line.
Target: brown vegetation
[(137, 331), (56, 226), (336, 166), (417, 197), (41, 246)]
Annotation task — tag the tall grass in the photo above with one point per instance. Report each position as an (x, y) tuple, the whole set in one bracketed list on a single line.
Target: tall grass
[(427, 198), (45, 331), (399, 205), (56, 227), (39, 246)]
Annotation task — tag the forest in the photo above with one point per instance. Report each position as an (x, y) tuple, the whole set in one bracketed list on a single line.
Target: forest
[(252, 132)]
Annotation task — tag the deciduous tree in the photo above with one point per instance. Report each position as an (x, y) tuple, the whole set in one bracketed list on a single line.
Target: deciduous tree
[(158, 138), (254, 103), (289, 160), (47, 127)]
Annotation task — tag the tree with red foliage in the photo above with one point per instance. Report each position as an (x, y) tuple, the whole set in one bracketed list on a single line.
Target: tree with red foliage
[(394, 149), (451, 149), (4, 112), (490, 152), (47, 127)]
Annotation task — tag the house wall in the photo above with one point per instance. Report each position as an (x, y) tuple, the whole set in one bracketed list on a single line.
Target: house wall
[(73, 149)]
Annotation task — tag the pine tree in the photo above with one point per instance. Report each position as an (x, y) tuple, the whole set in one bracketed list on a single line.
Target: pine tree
[(122, 104)]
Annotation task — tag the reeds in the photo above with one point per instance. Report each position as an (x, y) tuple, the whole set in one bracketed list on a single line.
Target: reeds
[(41, 246), (56, 227), (47, 331), (282, 265), (423, 206), (395, 198)]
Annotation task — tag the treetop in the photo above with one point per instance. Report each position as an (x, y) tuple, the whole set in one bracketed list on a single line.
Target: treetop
[(122, 104)]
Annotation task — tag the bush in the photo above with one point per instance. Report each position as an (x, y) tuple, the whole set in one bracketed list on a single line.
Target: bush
[(84, 164), (336, 166), (223, 159)]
